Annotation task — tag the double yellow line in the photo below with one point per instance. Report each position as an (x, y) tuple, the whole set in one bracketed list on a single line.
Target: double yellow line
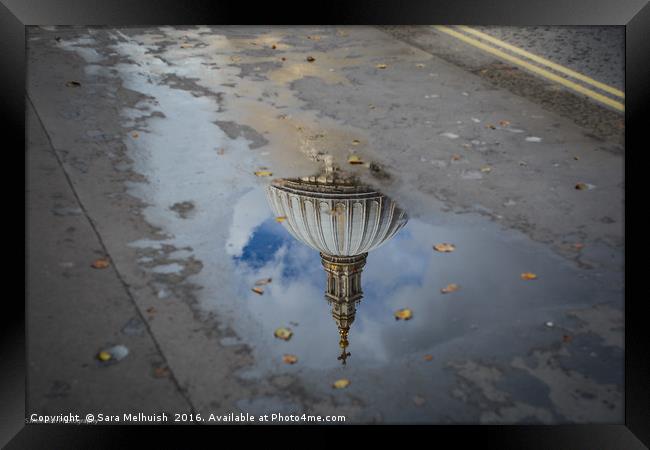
[(617, 105)]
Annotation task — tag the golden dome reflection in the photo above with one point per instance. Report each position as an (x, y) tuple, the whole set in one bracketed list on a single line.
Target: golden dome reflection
[(343, 219)]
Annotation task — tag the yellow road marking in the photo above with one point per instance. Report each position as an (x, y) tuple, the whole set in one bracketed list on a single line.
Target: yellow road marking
[(546, 62), (542, 72)]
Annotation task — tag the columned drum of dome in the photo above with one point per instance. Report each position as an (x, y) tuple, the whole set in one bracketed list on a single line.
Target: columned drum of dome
[(340, 219), (343, 220)]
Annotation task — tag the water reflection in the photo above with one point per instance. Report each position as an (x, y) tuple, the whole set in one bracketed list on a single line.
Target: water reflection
[(343, 219)]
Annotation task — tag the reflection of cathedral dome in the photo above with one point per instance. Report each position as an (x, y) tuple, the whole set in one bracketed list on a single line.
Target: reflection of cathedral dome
[(339, 218), (344, 221)]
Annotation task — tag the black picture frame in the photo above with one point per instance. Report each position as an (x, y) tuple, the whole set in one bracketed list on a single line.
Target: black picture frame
[(15, 15)]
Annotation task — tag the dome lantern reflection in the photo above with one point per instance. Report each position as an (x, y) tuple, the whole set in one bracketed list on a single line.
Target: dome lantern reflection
[(344, 220)]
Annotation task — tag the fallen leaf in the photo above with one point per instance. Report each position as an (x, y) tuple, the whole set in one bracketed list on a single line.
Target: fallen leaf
[(289, 359), (135, 134), (341, 384), (528, 276), (283, 333), (258, 290), (403, 314), (419, 65), (486, 169), (381, 66), (283, 58), (444, 247), (73, 84), (263, 281), (450, 288), (418, 400), (354, 159), (101, 263), (311, 59), (428, 357), (490, 126), (581, 186), (161, 372), (280, 219), (151, 310), (576, 158), (455, 157), (313, 38), (104, 355), (504, 123), (567, 338), (273, 47), (187, 45), (356, 142), (263, 173)]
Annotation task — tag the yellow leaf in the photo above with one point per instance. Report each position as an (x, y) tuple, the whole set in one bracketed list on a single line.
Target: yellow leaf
[(450, 288), (381, 66), (444, 247), (104, 355), (263, 173), (258, 290), (280, 219), (354, 159), (403, 314), (101, 263), (341, 384), (289, 359), (283, 333), (528, 276)]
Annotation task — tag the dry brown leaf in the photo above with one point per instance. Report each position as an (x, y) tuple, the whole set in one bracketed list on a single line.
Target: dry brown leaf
[(273, 47), (101, 263), (528, 276), (581, 186), (289, 359), (311, 59), (504, 123), (341, 384), (403, 314), (263, 173), (418, 400), (455, 157), (258, 290), (151, 310), (428, 357), (283, 333), (161, 372), (354, 159), (444, 247), (135, 135), (450, 288)]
